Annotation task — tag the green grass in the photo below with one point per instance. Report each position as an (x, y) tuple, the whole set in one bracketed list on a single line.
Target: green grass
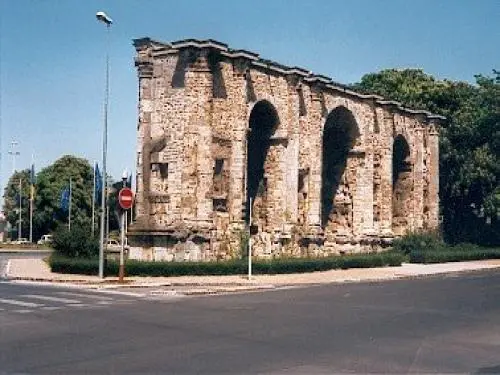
[(90, 266)]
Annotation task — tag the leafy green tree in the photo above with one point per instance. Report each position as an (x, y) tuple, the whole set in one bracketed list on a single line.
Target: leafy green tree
[(469, 145), (50, 183), (14, 196)]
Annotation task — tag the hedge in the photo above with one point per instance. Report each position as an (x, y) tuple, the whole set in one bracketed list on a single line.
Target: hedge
[(83, 266), (456, 253)]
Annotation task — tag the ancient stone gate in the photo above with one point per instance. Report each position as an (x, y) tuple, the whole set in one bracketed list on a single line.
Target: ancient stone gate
[(326, 169)]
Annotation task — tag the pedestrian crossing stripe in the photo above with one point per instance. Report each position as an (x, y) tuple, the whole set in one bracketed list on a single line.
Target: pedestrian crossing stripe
[(83, 295), (20, 303), (52, 308), (50, 299)]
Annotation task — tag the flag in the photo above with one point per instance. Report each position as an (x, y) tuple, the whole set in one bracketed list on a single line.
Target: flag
[(32, 175), (97, 182), (129, 181), (64, 203)]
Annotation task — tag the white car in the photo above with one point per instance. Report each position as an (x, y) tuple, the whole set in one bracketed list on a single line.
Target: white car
[(46, 239), (113, 245), (21, 241)]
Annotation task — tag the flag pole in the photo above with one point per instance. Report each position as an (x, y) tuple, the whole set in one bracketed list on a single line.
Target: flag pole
[(32, 188), (31, 211), (19, 234), (106, 233), (69, 215), (93, 204)]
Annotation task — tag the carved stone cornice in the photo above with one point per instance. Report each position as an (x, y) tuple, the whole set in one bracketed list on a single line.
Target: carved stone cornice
[(144, 64), (243, 60)]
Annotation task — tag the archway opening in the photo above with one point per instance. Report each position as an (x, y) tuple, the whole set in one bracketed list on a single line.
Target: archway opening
[(402, 185), (263, 123), (339, 138)]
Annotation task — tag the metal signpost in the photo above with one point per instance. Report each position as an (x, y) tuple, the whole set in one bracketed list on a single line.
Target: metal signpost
[(125, 199), (250, 242)]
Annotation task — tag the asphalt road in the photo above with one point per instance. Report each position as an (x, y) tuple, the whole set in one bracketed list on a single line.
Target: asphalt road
[(442, 324)]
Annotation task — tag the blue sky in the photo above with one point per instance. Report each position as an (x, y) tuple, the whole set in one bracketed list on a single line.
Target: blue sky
[(52, 56)]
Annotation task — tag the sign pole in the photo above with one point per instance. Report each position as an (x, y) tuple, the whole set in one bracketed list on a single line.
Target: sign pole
[(250, 242), (121, 270), (125, 199)]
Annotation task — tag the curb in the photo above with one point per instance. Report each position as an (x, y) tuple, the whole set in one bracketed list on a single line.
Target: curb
[(27, 251), (243, 285), (112, 284), (130, 283)]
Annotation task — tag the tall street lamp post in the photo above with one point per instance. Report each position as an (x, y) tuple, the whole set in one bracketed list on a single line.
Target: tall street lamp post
[(103, 17)]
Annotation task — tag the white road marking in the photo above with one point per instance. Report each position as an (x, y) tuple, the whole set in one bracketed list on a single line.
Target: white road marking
[(20, 303), (104, 303), (7, 269), (23, 311), (52, 299), (83, 295), (120, 293), (52, 308), (77, 305)]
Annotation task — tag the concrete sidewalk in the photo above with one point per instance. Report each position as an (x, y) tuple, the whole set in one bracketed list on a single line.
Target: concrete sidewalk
[(37, 270)]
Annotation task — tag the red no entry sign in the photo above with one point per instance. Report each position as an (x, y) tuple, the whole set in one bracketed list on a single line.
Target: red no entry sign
[(126, 198)]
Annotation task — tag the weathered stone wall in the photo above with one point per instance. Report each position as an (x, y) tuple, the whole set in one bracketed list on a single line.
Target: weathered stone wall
[(196, 102)]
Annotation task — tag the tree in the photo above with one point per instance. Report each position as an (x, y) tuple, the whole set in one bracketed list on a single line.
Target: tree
[(50, 183), (469, 145), (48, 215), (14, 196)]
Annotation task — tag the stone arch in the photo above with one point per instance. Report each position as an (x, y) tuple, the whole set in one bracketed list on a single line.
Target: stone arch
[(263, 122), (339, 170), (357, 110), (402, 185)]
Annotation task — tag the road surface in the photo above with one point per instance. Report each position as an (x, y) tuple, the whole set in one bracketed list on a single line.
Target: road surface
[(440, 324)]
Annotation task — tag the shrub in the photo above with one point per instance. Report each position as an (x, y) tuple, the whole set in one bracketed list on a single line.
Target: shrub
[(63, 264), (429, 248), (417, 242), (75, 243)]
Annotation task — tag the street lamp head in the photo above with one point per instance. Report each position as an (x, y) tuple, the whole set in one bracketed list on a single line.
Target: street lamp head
[(103, 17)]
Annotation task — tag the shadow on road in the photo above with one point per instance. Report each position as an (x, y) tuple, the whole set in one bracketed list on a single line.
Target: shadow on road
[(489, 370)]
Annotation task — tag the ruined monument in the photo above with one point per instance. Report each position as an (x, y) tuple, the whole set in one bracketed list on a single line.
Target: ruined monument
[(327, 170)]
